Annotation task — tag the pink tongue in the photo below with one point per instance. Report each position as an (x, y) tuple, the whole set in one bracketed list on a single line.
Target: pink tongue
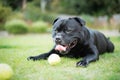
[(60, 48)]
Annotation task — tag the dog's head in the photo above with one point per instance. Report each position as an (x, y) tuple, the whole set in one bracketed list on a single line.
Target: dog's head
[(67, 33)]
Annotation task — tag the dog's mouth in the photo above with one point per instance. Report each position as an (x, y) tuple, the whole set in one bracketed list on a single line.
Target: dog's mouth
[(65, 48)]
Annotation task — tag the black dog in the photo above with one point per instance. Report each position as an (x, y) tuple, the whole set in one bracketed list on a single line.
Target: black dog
[(73, 39)]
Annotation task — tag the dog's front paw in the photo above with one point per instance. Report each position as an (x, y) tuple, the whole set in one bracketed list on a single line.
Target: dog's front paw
[(34, 58), (82, 63)]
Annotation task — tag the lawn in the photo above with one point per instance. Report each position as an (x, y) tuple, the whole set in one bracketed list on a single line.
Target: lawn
[(14, 51)]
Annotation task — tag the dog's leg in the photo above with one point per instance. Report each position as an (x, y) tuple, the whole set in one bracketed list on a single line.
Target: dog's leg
[(41, 56), (110, 46), (92, 56)]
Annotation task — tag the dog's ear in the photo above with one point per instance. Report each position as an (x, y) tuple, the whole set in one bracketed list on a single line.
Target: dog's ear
[(55, 20), (79, 20)]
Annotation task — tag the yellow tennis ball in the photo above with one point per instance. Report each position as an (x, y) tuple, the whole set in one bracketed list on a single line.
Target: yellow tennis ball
[(6, 72), (54, 59)]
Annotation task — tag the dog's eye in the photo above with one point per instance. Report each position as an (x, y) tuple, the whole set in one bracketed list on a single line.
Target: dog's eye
[(68, 31)]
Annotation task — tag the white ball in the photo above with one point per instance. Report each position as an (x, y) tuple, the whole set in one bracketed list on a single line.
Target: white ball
[(6, 72), (54, 59)]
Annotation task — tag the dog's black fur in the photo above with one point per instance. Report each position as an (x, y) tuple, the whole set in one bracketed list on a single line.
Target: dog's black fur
[(80, 41)]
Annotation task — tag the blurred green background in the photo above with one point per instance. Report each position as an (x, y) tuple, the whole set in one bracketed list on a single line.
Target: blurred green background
[(25, 30), (36, 16)]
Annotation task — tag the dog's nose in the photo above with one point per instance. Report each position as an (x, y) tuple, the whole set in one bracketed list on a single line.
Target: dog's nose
[(58, 40)]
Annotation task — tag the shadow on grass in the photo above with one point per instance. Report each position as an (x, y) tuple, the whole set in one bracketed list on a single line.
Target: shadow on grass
[(7, 46)]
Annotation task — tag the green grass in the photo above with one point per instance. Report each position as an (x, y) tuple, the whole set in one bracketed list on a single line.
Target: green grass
[(15, 49)]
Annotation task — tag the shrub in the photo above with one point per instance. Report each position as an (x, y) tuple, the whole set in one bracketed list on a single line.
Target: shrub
[(16, 15), (34, 13), (39, 27), (4, 13), (1, 26), (16, 27)]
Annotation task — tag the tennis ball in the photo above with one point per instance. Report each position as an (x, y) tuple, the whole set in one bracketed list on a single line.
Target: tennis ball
[(6, 71), (54, 59)]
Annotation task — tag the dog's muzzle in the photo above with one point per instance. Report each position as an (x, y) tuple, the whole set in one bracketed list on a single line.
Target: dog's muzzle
[(64, 49)]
